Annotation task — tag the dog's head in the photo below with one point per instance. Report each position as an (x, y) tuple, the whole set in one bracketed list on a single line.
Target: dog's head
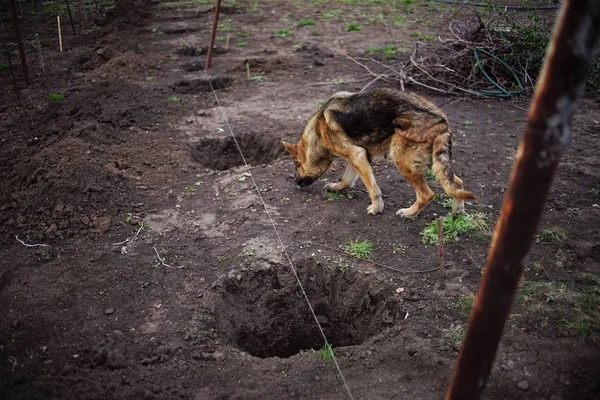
[(308, 167)]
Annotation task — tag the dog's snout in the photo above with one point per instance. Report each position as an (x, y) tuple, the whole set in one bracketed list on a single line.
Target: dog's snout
[(303, 181)]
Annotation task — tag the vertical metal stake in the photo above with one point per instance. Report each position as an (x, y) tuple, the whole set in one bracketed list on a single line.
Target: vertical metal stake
[(213, 33), (37, 38), (13, 10), (70, 17)]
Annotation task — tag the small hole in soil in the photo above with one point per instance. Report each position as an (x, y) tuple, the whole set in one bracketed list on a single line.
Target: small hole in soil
[(265, 314), (222, 153)]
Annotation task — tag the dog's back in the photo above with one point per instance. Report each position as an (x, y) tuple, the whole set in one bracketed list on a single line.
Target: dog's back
[(374, 115)]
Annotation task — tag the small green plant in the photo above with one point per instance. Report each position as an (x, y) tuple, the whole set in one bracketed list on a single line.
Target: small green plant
[(4, 65), (359, 248), (422, 36), (149, 78), (319, 103), (283, 33), (464, 304), (174, 99), (242, 44), (454, 336), (331, 14), (142, 225), (353, 26), (552, 235), (581, 325), (325, 352), (248, 251), (595, 192), (429, 174), (306, 22), (173, 58), (259, 78), (45, 255), (56, 97), (226, 26), (467, 123), (94, 28), (454, 225), (334, 195)]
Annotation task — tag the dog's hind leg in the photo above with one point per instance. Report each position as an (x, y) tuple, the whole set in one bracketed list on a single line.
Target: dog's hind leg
[(409, 159), (348, 179)]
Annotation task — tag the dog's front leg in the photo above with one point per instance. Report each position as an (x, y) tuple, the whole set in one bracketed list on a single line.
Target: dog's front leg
[(348, 179), (360, 163)]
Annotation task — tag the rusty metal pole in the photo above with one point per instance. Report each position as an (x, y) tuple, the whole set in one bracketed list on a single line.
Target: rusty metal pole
[(546, 137), (213, 33), (70, 17), (13, 11)]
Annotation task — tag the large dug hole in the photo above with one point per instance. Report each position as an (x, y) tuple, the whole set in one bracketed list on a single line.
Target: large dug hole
[(264, 312), (222, 153)]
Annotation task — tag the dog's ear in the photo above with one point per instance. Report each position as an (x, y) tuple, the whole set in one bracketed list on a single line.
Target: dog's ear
[(291, 148)]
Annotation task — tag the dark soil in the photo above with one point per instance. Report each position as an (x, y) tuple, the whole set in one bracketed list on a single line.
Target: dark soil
[(162, 277)]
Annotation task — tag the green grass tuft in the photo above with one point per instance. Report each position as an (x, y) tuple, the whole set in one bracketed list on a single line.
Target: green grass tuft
[(359, 249), (306, 22), (454, 225), (56, 97), (325, 352)]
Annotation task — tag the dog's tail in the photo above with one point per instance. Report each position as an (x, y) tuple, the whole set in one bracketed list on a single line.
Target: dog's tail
[(442, 167)]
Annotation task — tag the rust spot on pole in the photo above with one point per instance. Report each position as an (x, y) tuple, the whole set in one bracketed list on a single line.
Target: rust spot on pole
[(13, 11), (546, 137), (213, 33)]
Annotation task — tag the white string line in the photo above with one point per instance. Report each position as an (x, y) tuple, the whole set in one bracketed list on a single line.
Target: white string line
[(337, 366)]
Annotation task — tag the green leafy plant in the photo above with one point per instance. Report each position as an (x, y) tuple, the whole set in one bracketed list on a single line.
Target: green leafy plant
[(242, 44), (454, 225), (359, 248), (464, 304), (552, 235), (306, 22), (429, 174), (283, 33), (56, 97), (174, 99), (353, 26), (334, 195), (422, 36), (4, 65)]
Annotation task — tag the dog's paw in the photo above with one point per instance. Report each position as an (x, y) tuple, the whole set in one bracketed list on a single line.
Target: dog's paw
[(406, 213), (333, 187), (375, 208)]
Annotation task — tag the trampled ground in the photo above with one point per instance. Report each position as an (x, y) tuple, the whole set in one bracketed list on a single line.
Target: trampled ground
[(139, 149)]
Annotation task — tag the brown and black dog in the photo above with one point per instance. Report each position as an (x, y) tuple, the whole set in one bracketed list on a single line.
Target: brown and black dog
[(379, 123)]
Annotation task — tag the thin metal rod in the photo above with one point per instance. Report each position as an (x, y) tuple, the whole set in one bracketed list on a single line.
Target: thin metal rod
[(70, 17), (39, 46), (546, 137), (213, 33), (13, 11), (14, 79)]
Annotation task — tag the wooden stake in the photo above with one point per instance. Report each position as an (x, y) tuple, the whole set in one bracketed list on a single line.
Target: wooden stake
[(37, 38), (441, 253), (213, 33), (248, 69), (59, 34)]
